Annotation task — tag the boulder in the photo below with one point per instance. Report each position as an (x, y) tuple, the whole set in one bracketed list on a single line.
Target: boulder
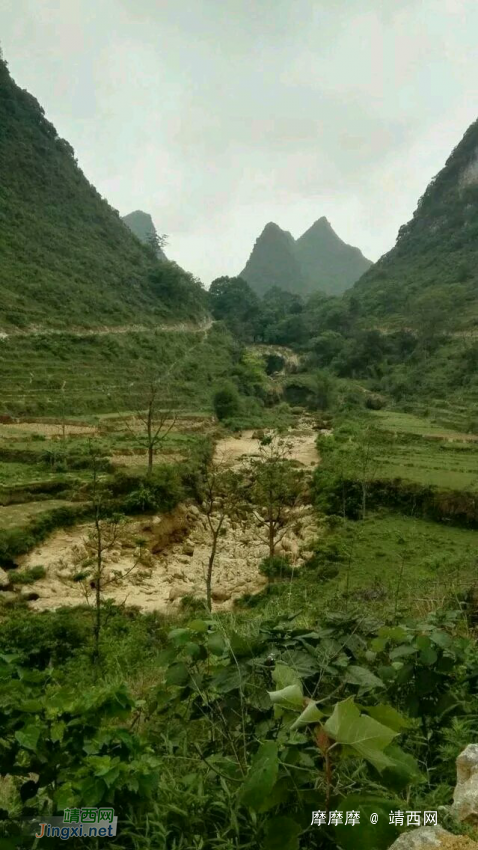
[(221, 594), (4, 580), (178, 591), (432, 838), (465, 797)]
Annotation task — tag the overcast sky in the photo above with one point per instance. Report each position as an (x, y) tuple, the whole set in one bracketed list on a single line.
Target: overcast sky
[(217, 116)]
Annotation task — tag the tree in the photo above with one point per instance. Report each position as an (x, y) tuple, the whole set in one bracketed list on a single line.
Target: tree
[(156, 242), (157, 420), (232, 301), (226, 402), (366, 461), (217, 496), (101, 539), (278, 488)]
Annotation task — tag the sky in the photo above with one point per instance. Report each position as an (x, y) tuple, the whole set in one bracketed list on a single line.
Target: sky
[(218, 116)]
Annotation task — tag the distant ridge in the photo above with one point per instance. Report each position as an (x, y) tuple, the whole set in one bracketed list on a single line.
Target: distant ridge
[(318, 261), (142, 225)]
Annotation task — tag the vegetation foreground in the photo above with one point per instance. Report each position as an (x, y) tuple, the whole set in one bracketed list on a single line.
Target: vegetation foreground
[(347, 684)]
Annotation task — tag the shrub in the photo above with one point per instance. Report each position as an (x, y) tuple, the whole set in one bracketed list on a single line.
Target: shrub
[(226, 402), (161, 491), (28, 576), (276, 567)]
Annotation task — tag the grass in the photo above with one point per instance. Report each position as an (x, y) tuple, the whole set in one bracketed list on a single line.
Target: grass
[(389, 562), (421, 451), (409, 423), (17, 516)]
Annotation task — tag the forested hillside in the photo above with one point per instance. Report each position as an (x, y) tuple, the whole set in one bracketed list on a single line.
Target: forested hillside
[(66, 256), (431, 275)]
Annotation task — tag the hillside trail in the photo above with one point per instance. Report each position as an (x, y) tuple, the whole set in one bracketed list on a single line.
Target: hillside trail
[(174, 561), (179, 327)]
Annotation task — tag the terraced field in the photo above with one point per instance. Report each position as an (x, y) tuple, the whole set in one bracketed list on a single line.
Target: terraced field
[(419, 450)]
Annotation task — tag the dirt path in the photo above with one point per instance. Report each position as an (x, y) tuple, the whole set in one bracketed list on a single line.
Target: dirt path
[(181, 327)]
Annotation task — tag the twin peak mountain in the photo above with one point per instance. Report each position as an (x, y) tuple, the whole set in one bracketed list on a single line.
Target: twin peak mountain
[(317, 261)]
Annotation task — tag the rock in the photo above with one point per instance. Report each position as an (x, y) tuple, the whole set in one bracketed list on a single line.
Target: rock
[(178, 591), (194, 510), (8, 596), (429, 837), (220, 594), (4, 580), (188, 549), (422, 838), (465, 797)]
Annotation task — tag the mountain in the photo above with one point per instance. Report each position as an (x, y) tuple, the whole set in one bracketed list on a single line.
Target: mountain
[(142, 225), (317, 261), (65, 255), (432, 272), (273, 262), (327, 263)]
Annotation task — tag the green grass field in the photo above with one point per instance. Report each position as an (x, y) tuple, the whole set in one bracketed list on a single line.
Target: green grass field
[(421, 451), (388, 563)]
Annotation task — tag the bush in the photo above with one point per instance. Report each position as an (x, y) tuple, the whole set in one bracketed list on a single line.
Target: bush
[(28, 576), (276, 567), (161, 491), (226, 402)]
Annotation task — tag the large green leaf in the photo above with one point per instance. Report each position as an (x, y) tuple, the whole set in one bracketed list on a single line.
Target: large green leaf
[(404, 770), (262, 775), (362, 733), (177, 674), (310, 714), (363, 677), (290, 697), (365, 835), (216, 643), (281, 833), (28, 737), (389, 716), (283, 675)]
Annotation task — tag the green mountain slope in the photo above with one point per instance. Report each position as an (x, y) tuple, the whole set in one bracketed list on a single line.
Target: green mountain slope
[(66, 258), (142, 225), (317, 262), (433, 269), (328, 264), (273, 262)]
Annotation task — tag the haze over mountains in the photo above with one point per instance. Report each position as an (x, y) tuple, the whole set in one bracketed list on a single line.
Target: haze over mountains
[(318, 261)]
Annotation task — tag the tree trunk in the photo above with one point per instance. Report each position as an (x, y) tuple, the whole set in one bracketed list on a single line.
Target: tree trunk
[(99, 567), (149, 429), (272, 539), (209, 570), (364, 500)]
